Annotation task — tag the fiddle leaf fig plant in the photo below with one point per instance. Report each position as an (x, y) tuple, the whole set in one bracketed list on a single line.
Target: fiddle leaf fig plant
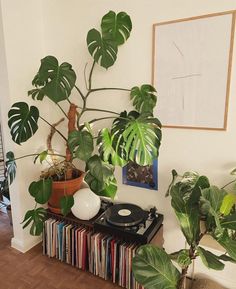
[(132, 136), (194, 200)]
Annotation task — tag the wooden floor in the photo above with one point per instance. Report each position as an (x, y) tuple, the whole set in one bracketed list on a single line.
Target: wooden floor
[(32, 270)]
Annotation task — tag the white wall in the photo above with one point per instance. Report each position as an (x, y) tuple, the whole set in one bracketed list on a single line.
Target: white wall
[(64, 35)]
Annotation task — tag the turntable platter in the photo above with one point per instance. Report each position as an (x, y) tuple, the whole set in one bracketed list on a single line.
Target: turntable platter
[(125, 215)]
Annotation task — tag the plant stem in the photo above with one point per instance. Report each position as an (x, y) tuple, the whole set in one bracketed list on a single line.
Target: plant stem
[(54, 128), (62, 110), (32, 155), (101, 118), (231, 182), (85, 80), (90, 76), (80, 92), (101, 110), (109, 88)]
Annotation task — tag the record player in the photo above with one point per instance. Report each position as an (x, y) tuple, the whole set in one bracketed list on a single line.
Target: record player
[(129, 222)]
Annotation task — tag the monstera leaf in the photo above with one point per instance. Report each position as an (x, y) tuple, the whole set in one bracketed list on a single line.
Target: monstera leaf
[(116, 27), (82, 143), (53, 80), (153, 269), (144, 99), (106, 150), (104, 52), (138, 135), (100, 177), (35, 218), (22, 121), (41, 190), (11, 166), (103, 47)]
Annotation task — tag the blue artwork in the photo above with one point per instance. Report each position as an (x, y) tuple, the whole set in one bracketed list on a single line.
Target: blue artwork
[(141, 176)]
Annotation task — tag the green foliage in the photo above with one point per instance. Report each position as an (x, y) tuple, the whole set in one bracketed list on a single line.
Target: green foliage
[(103, 46), (228, 202), (229, 222), (137, 137), (35, 218), (144, 98), (210, 260), (22, 121), (153, 269), (100, 177), (82, 143), (10, 166), (41, 190), (229, 245), (66, 204), (41, 156), (53, 80), (107, 151)]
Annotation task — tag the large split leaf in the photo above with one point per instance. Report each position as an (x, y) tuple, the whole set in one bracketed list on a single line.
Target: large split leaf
[(144, 98), (10, 166), (210, 260), (41, 190), (36, 219), (103, 51), (22, 121), (116, 27), (66, 203), (100, 177), (137, 136), (106, 149), (81, 143), (152, 268), (53, 80)]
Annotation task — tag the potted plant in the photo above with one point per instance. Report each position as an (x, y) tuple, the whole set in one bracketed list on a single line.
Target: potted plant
[(134, 135), (194, 201)]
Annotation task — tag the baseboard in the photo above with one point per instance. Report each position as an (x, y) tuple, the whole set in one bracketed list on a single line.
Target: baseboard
[(26, 245)]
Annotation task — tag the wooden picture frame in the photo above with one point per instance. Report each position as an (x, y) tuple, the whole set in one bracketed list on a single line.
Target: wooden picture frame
[(191, 70)]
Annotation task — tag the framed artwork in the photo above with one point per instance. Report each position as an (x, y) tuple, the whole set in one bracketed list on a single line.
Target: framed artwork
[(191, 71), (141, 176)]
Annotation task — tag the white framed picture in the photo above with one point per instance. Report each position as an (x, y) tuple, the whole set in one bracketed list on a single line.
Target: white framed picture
[(191, 71)]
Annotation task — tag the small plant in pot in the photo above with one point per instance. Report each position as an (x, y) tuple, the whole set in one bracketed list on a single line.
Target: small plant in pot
[(132, 136), (194, 201)]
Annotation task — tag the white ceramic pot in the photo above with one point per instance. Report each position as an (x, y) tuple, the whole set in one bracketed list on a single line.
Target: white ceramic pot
[(86, 204)]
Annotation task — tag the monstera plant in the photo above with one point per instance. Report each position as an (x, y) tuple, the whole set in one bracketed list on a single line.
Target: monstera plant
[(134, 135), (194, 201)]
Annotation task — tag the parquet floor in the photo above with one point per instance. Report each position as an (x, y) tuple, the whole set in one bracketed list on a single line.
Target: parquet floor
[(32, 270)]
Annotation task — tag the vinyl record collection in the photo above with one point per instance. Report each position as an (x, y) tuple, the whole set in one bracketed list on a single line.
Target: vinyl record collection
[(101, 254)]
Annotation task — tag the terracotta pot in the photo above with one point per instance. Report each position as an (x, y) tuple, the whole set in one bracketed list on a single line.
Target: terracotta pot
[(63, 188)]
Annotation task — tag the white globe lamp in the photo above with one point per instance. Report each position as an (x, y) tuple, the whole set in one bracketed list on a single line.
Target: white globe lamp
[(86, 204)]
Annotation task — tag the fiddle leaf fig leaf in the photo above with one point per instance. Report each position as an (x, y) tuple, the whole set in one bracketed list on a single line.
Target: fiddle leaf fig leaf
[(144, 98), (100, 177), (116, 27), (10, 166), (106, 150), (215, 196), (53, 80), (81, 143), (41, 190), (152, 268), (229, 222), (66, 203), (174, 177), (103, 51), (22, 121), (229, 245), (187, 215), (210, 260), (227, 204), (137, 136), (36, 219), (226, 258)]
